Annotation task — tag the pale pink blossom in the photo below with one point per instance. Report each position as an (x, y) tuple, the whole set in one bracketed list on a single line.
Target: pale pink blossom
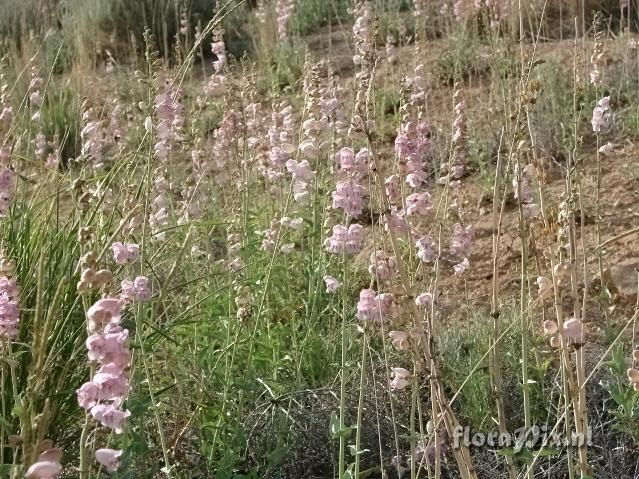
[(136, 290), (424, 299), (375, 307), (550, 327), (418, 204), (125, 252), (544, 286), (287, 248), (109, 458), (109, 346), (400, 340), (573, 329), (48, 465), (87, 395), (345, 240), (349, 197), (112, 383), (461, 268), (110, 416), (393, 189), (395, 223), (601, 115), (606, 149), (399, 380), (382, 267), (426, 249), (103, 312), (9, 309), (332, 284), (461, 240)]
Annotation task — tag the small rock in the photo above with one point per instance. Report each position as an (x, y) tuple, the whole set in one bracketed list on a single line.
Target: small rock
[(622, 279)]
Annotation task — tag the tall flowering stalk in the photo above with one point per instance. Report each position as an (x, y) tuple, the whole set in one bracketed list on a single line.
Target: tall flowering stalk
[(169, 117), (284, 10), (9, 310), (217, 81), (7, 176), (104, 395)]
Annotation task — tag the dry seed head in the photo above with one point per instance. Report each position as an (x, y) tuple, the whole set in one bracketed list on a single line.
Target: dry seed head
[(83, 287), (88, 276), (7, 266), (103, 276), (85, 233), (88, 259)]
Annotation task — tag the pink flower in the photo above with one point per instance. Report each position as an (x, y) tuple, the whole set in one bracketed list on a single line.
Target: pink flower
[(415, 179), (283, 10), (606, 149), (136, 290), (345, 240), (362, 159), (87, 395), (109, 458), (550, 327), (367, 305), (418, 204), (461, 268), (109, 416), (462, 240), (349, 197), (300, 170), (426, 249), (141, 284), (545, 287), (400, 340), (372, 307), (531, 210), (48, 465), (399, 380), (396, 223), (309, 149), (332, 284), (601, 115), (424, 299), (125, 252), (112, 383), (392, 52), (103, 312), (294, 224), (573, 329), (346, 158), (382, 267), (287, 248), (392, 188), (9, 309), (109, 346)]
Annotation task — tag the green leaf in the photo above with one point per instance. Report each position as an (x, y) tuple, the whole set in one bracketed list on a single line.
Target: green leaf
[(335, 428), (17, 410)]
